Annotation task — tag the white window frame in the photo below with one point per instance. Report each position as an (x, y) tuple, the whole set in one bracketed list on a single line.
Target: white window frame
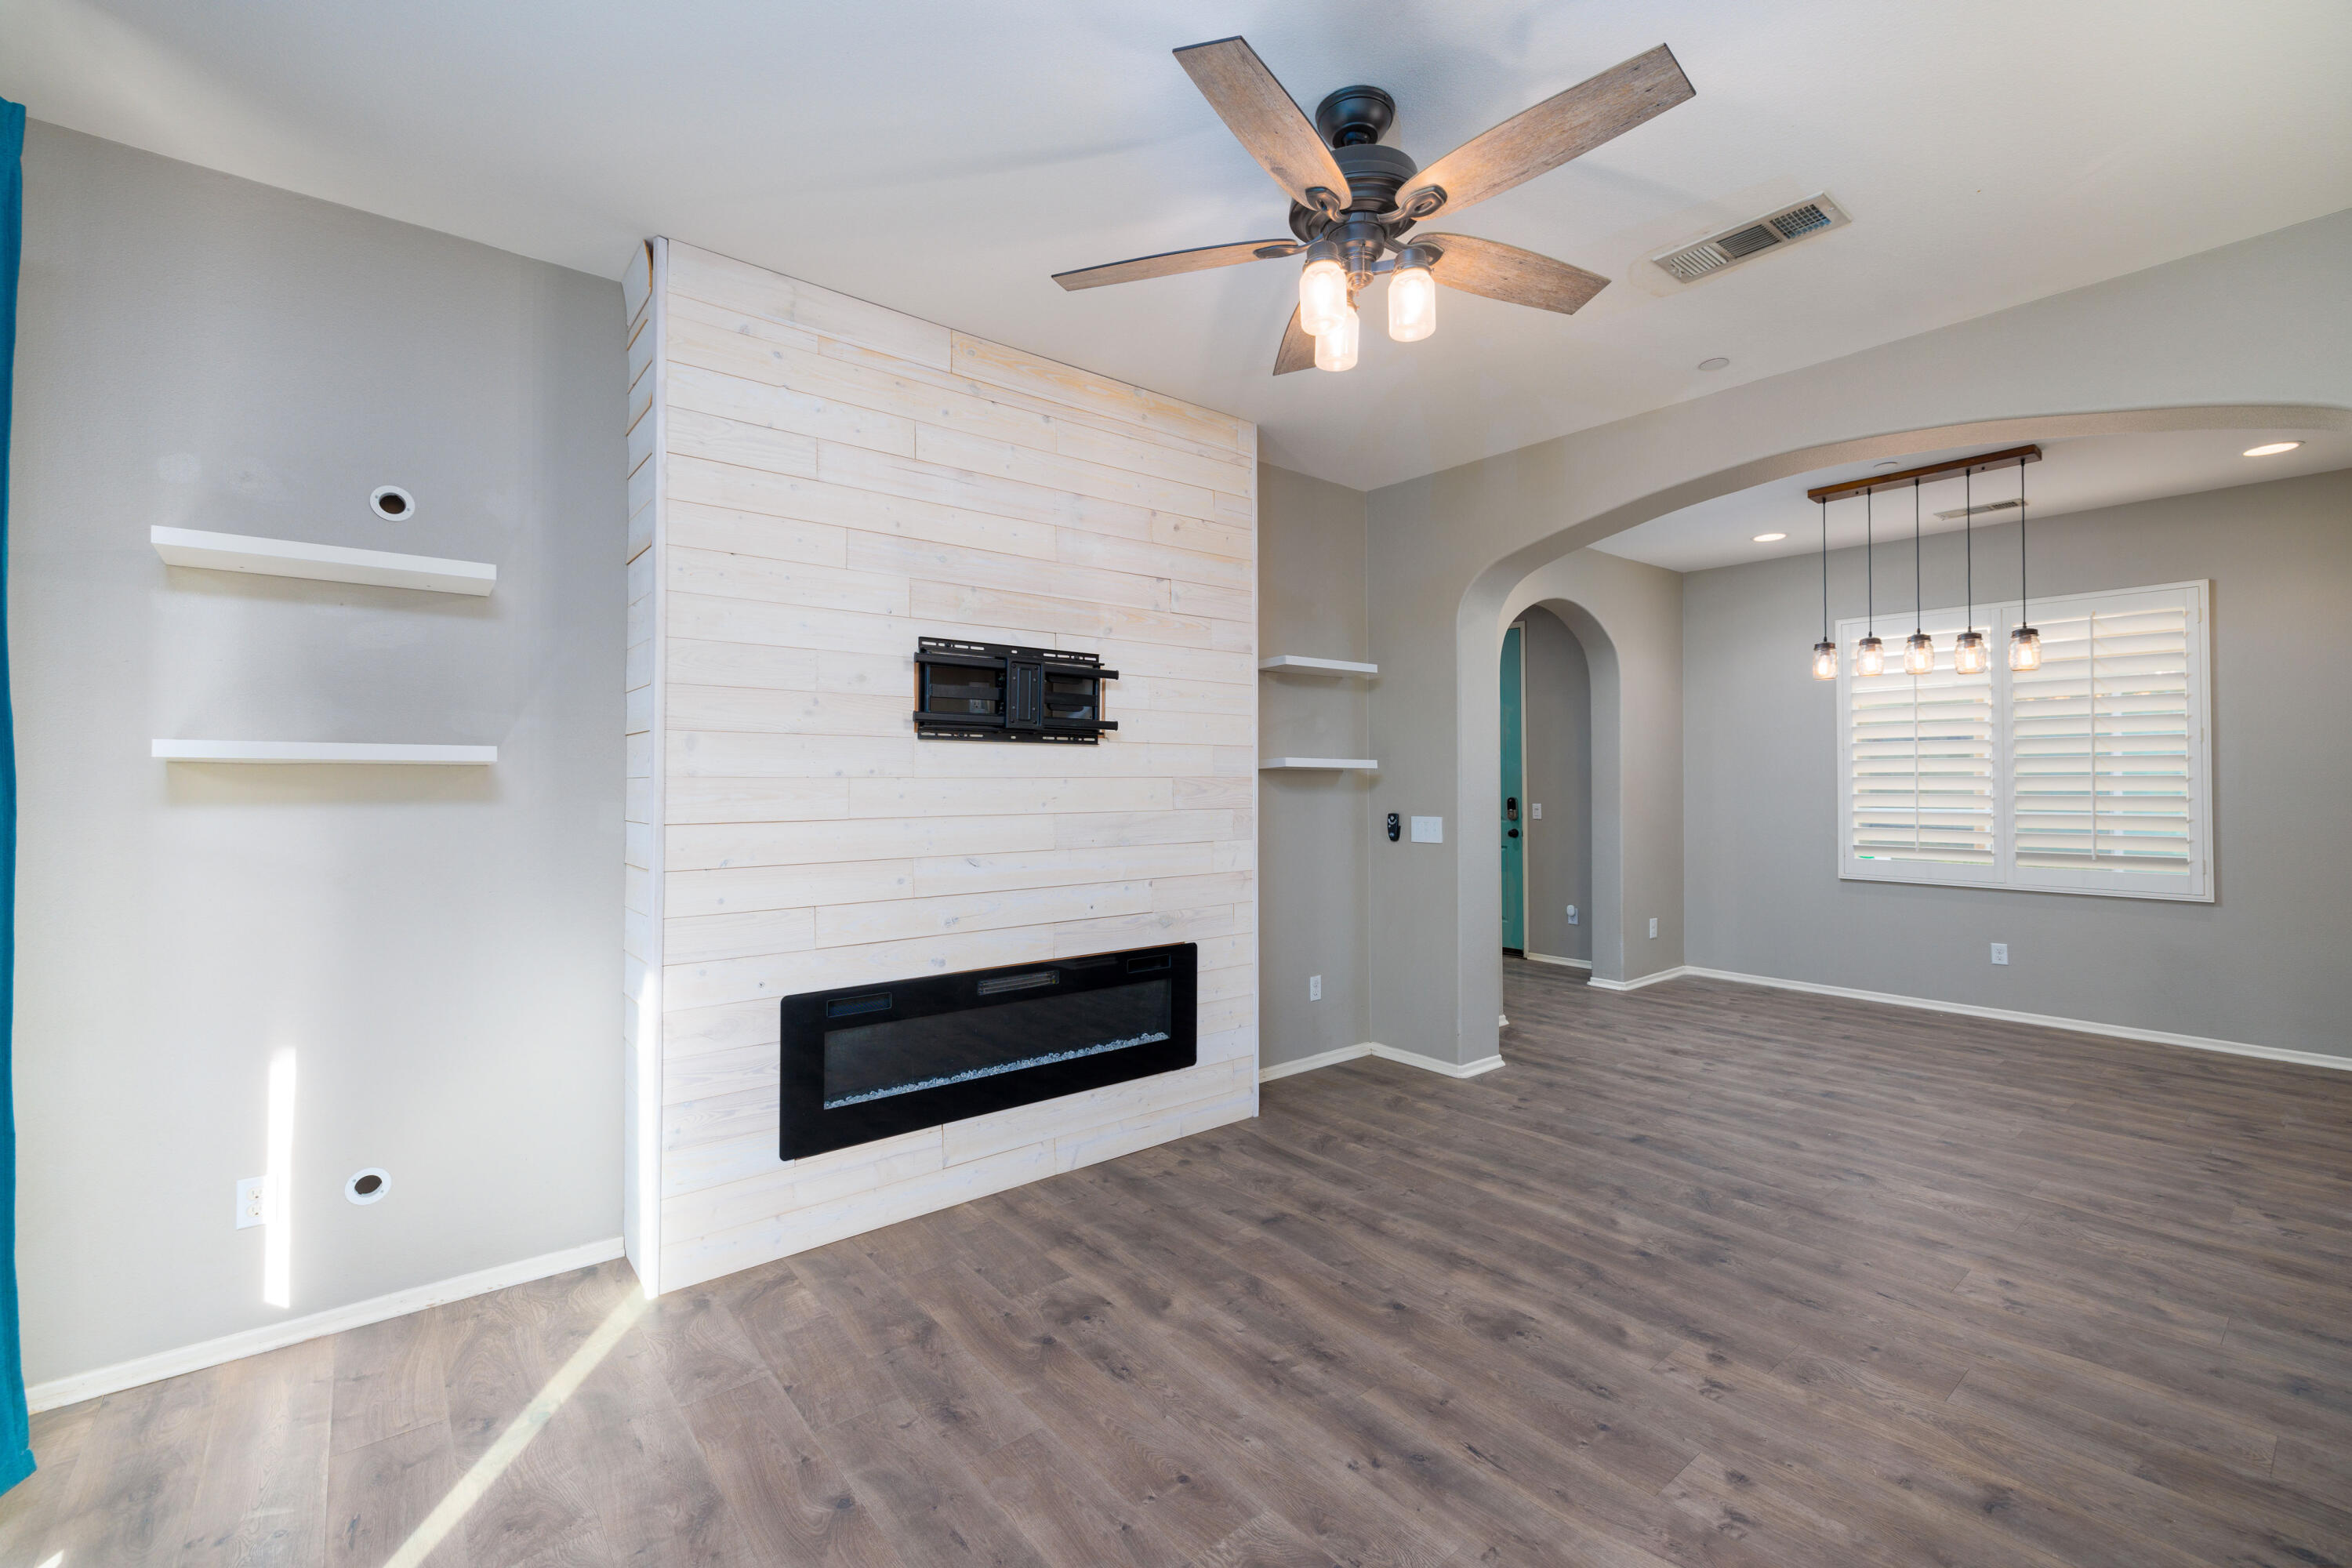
[(1996, 620)]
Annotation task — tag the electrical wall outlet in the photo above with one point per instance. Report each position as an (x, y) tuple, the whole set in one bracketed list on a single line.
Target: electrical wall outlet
[(1572, 916), (1653, 925), (2001, 953), (1535, 811), (252, 1197), (1315, 988)]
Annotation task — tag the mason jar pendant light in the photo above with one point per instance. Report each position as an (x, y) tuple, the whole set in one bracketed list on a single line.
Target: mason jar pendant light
[(1322, 290), (1825, 652), (1412, 296), (1869, 654), (2024, 642), (1918, 648), (1969, 654), (1336, 349)]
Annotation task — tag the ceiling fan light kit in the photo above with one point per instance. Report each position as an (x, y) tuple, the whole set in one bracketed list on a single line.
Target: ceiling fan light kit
[(1352, 199)]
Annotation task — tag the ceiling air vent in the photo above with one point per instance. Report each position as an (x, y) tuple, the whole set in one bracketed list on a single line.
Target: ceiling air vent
[(1815, 215)]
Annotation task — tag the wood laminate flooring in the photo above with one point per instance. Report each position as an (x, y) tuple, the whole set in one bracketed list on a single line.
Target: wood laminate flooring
[(1708, 1275)]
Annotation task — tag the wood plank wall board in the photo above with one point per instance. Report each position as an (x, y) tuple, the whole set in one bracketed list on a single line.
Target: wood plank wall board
[(816, 482)]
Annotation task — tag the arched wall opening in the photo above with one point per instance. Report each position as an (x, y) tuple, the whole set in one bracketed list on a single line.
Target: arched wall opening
[(1646, 843), (1556, 768)]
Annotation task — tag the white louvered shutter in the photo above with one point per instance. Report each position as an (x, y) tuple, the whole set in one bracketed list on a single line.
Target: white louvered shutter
[(1921, 764)]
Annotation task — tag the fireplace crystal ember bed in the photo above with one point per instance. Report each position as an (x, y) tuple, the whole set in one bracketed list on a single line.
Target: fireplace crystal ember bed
[(872, 1061)]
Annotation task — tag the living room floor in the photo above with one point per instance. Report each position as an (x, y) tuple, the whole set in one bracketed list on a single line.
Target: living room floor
[(1709, 1274)]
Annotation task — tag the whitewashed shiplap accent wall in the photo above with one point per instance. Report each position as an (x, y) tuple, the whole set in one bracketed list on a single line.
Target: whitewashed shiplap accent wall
[(816, 482)]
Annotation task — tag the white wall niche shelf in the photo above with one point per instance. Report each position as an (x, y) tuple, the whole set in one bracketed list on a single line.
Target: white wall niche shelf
[(325, 563), (295, 752), (1344, 764), (1318, 666)]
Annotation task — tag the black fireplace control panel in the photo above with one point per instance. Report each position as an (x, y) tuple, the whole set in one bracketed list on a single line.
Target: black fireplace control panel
[(990, 691)]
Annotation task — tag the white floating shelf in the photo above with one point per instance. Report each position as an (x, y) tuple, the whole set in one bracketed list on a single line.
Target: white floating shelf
[(1326, 665), (1340, 763), (326, 562), (295, 752)]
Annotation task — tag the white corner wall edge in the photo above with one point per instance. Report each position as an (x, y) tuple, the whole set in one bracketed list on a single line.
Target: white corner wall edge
[(1563, 963), (1344, 763), (105, 1380), (1332, 1058), (2002, 1015), (323, 563), (1326, 665), (296, 752)]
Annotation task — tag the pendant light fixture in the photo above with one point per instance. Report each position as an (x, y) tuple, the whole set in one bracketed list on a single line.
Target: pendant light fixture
[(1918, 648), (1869, 654), (2024, 642), (1969, 654), (1825, 652)]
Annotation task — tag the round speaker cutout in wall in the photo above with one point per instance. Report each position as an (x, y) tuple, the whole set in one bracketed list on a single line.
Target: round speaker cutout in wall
[(368, 1186), (393, 504)]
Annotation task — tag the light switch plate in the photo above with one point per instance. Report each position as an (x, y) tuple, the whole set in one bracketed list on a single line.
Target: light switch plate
[(1429, 830), (1315, 988), (1653, 925), (1535, 811)]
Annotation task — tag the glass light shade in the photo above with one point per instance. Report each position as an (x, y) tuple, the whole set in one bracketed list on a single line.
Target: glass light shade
[(1413, 304), (1825, 661), (1870, 656), (1336, 349), (2025, 649), (1969, 654), (1322, 297), (1918, 654)]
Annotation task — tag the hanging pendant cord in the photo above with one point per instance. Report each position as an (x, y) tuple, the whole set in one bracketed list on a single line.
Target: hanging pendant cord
[(1918, 593), (1869, 550), (2023, 618), (1967, 537), (1826, 569)]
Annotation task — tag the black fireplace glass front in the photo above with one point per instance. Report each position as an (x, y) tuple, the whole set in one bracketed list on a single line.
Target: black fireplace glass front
[(868, 1062)]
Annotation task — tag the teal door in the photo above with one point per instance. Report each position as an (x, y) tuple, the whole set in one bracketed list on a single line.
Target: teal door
[(1510, 810)]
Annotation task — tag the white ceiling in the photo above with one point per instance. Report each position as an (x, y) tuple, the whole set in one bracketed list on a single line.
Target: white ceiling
[(2074, 475), (944, 158)]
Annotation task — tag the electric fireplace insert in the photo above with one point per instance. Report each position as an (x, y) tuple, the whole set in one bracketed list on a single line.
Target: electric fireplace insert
[(872, 1061)]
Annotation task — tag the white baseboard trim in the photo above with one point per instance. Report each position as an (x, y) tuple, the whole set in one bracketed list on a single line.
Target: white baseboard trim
[(1386, 1053), (1554, 958), (1598, 983), (154, 1368), (2007, 1015)]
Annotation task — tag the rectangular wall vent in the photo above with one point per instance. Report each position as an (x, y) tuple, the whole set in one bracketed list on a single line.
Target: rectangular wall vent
[(1773, 231), (1979, 510)]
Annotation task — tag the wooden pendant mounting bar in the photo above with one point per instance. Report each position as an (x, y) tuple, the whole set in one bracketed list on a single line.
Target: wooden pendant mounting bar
[(1982, 463)]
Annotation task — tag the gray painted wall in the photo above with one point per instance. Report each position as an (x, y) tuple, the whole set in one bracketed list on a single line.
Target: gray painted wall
[(1556, 746), (440, 947), (2264, 965), (2248, 336), (1315, 829)]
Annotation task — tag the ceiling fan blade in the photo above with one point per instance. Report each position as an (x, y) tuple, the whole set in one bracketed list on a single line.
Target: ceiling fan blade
[(1563, 126), (1298, 350), (1263, 118), (1168, 263), (1506, 272)]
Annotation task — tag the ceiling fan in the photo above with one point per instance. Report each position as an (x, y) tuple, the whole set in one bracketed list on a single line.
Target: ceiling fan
[(1352, 200)]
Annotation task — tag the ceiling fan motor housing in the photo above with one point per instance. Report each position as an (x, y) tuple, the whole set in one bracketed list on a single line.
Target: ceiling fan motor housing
[(1354, 116), (1375, 174)]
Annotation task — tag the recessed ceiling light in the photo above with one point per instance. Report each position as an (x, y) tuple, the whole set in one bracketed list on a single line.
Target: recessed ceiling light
[(1771, 538), (2272, 450), (1717, 363)]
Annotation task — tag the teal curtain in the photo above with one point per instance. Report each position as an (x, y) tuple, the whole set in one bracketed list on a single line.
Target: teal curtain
[(15, 1427)]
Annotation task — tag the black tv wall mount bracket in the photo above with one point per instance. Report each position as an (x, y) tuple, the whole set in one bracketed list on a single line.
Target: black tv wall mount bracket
[(993, 692)]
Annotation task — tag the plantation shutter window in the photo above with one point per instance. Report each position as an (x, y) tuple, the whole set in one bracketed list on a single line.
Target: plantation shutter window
[(2091, 774)]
